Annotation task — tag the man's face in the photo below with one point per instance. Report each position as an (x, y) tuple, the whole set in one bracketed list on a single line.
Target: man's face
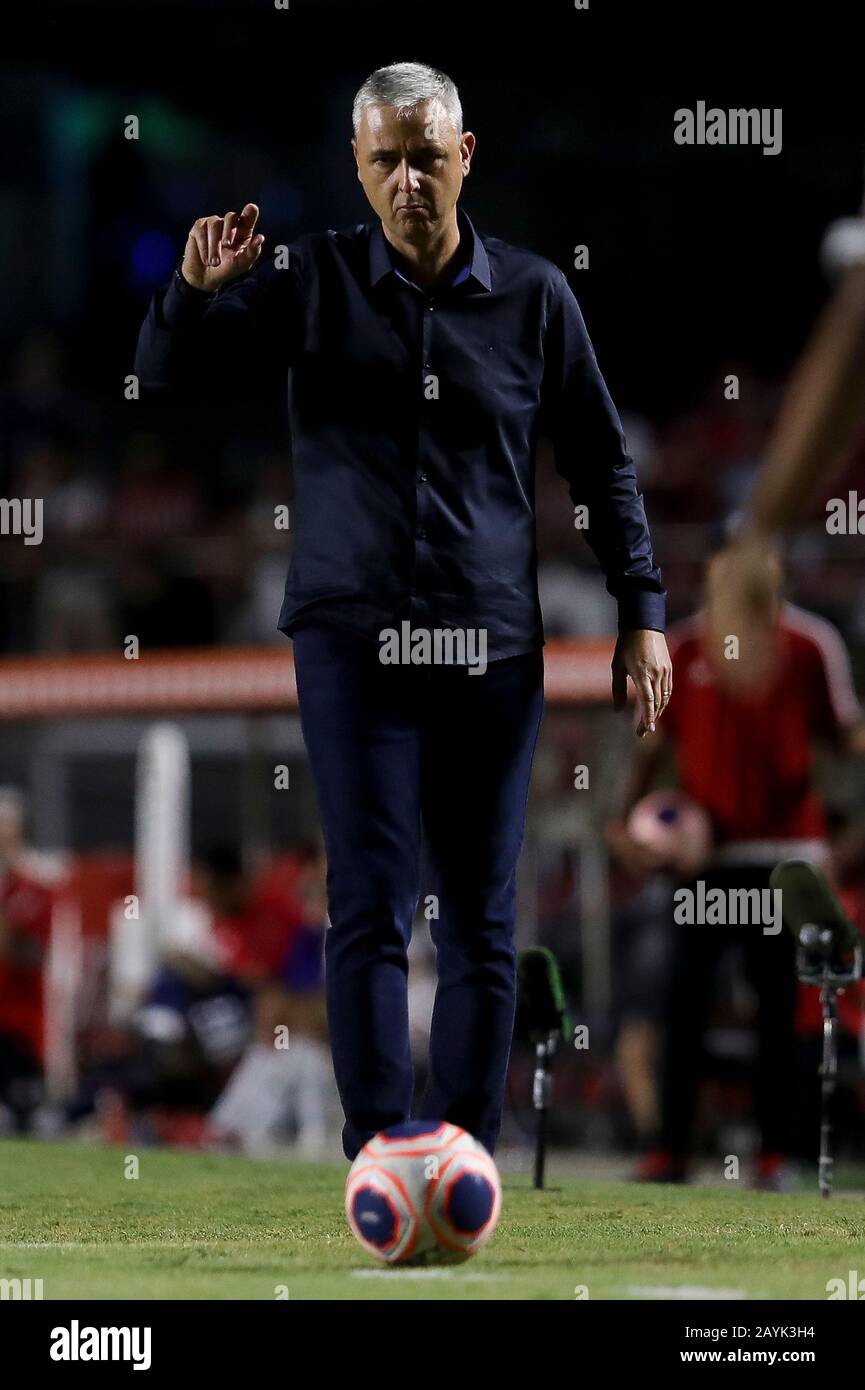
[(411, 163)]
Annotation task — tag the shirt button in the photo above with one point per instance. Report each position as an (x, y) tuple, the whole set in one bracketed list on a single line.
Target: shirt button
[(421, 534), (421, 477)]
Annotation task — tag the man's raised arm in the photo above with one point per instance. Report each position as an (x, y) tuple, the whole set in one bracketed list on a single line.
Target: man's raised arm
[(214, 324)]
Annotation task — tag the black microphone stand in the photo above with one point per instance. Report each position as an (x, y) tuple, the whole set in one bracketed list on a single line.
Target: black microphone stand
[(831, 976), (544, 1050)]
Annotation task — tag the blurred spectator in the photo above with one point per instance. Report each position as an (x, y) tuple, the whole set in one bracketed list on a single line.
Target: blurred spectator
[(271, 938), (38, 404), (25, 927), (235, 1023), (269, 548), (75, 499), (161, 601), (71, 608), (787, 691), (153, 502)]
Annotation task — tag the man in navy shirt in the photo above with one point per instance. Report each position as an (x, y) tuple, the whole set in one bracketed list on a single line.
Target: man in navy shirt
[(423, 360)]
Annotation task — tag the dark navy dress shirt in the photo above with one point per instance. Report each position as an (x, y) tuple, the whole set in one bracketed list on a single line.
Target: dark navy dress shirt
[(414, 418)]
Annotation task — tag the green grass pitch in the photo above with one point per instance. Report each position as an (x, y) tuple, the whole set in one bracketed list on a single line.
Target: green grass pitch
[(192, 1226)]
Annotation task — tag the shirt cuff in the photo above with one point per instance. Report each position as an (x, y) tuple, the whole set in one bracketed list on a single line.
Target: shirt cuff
[(182, 300), (644, 611)]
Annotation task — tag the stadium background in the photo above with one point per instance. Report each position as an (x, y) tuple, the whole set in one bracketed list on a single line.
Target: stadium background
[(703, 261)]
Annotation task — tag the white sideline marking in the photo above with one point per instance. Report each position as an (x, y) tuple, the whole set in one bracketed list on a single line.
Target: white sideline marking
[(696, 1291), (468, 1277)]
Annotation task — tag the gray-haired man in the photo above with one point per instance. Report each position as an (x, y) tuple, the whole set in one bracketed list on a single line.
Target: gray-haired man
[(424, 358)]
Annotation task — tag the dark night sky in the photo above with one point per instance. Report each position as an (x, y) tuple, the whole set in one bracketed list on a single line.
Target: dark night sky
[(699, 256)]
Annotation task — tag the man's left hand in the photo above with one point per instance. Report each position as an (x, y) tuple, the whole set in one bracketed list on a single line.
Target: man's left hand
[(642, 654)]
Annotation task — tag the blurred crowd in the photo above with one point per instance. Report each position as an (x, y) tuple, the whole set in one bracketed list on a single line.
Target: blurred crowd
[(224, 1045), (172, 526), (163, 525)]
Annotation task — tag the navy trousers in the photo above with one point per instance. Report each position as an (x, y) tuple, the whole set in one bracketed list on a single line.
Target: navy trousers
[(398, 752)]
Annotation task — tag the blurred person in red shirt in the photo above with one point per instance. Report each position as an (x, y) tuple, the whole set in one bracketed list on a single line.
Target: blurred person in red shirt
[(743, 729), (271, 938), (266, 929), (25, 927), (263, 958), (209, 1025)]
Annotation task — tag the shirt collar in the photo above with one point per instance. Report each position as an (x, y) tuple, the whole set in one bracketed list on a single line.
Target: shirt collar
[(475, 266)]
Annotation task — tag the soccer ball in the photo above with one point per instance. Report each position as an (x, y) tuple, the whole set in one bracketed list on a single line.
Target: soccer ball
[(424, 1192), (675, 827)]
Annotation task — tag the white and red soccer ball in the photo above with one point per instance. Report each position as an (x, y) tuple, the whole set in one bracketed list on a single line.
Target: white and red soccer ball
[(424, 1192), (675, 828)]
